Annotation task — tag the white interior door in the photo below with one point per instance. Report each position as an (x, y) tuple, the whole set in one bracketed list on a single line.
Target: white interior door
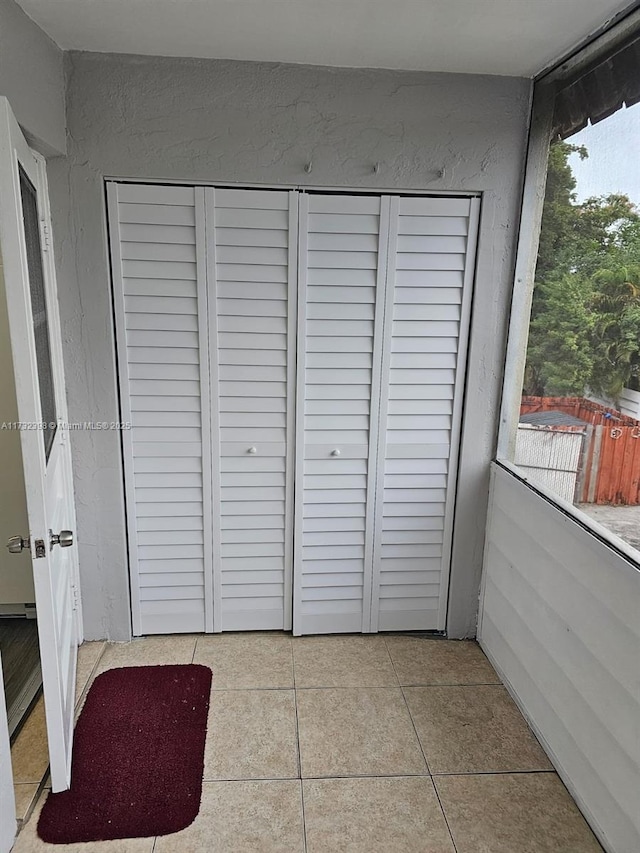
[(37, 356)]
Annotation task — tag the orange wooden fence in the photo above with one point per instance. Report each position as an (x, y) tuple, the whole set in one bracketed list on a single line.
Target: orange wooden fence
[(579, 407), (609, 470)]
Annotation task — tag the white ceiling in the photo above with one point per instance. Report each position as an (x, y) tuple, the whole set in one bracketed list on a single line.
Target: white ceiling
[(512, 37)]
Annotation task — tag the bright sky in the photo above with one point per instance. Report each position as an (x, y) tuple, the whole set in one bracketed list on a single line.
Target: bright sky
[(613, 165)]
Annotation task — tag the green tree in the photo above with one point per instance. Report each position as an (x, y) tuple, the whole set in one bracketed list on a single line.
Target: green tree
[(584, 325), (557, 230), (559, 358), (615, 336)]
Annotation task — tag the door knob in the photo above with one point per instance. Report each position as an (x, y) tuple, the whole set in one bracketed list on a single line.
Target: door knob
[(252, 450), (335, 452), (64, 539), (16, 544)]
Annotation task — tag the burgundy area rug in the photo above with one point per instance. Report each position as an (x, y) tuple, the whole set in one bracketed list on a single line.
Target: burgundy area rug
[(138, 757)]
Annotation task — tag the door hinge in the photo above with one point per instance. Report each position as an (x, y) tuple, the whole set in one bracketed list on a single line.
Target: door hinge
[(46, 236)]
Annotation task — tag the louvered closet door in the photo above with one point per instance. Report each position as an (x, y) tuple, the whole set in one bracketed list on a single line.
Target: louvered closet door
[(252, 244), (342, 266), (157, 249), (429, 282)]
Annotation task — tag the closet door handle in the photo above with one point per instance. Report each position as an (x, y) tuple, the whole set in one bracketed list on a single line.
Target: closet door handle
[(335, 452), (252, 450)]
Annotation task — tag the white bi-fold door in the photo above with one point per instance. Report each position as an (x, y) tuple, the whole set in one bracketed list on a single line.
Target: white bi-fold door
[(292, 365), (384, 302), (205, 294)]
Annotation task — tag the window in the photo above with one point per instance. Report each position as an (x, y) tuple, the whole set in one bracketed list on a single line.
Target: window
[(574, 420), (39, 309)]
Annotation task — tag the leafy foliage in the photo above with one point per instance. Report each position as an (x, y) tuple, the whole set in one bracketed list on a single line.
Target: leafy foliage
[(585, 322)]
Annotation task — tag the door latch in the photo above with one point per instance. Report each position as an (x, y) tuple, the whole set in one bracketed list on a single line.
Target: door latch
[(16, 544)]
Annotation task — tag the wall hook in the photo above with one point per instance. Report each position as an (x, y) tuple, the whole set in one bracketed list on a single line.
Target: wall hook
[(308, 167)]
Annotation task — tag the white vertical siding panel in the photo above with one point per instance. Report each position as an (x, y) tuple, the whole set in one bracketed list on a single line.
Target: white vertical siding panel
[(630, 402), (162, 351), (424, 359), (559, 620)]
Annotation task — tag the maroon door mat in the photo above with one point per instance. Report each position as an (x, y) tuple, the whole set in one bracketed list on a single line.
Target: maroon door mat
[(138, 757)]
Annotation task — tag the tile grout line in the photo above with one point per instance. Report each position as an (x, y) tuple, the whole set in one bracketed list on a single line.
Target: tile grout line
[(444, 814), (216, 779), (332, 776), (295, 702), (494, 772), (393, 666), (442, 811), (406, 704), (433, 784)]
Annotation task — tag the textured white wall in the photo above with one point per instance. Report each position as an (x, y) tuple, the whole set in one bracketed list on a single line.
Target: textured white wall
[(208, 120), (31, 77), (560, 623)]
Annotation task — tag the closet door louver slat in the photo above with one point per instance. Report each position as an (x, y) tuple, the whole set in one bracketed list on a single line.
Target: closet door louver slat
[(252, 241), (428, 297), (157, 246)]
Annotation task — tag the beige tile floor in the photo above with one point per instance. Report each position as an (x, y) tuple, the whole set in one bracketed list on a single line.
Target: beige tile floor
[(353, 745)]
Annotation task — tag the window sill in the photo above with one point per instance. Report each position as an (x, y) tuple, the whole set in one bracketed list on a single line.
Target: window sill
[(585, 521)]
